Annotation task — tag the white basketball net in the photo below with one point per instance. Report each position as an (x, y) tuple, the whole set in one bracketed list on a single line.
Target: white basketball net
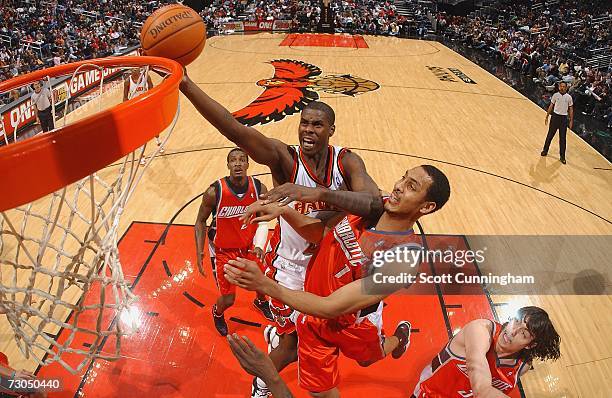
[(63, 288)]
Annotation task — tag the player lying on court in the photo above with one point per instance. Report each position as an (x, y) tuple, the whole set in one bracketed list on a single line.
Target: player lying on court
[(484, 359), (226, 199), (312, 172), (336, 316)]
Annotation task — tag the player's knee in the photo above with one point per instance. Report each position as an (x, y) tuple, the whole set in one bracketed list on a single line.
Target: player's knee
[(288, 346)]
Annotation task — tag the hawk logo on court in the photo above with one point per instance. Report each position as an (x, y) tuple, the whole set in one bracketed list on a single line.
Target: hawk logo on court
[(295, 84)]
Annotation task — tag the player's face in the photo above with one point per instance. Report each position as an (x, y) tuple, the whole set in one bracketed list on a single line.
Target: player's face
[(562, 88), (238, 164), (515, 336), (409, 194), (314, 131), (37, 87), (136, 74)]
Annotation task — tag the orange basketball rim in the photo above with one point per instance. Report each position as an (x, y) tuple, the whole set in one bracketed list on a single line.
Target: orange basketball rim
[(40, 165)]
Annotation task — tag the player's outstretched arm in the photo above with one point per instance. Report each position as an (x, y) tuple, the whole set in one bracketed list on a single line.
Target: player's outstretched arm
[(346, 300), (258, 364), (477, 340), (126, 89), (208, 204), (360, 195), (262, 149), (310, 228)]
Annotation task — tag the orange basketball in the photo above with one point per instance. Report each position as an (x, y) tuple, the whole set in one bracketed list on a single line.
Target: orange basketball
[(174, 31)]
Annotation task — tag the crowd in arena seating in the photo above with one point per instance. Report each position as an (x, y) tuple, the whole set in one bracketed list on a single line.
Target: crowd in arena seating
[(549, 44), (220, 12), (372, 17), (35, 35), (367, 17)]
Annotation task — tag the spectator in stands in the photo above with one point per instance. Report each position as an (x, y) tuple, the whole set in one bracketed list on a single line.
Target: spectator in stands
[(14, 95)]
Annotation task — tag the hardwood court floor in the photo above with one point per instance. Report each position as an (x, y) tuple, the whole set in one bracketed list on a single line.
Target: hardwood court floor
[(486, 137)]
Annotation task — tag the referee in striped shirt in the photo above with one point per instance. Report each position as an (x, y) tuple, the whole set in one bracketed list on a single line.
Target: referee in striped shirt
[(561, 105)]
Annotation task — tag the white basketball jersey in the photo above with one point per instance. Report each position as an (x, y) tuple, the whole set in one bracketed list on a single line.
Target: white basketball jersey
[(137, 88), (291, 253)]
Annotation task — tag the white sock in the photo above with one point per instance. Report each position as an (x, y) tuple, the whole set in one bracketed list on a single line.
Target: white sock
[(261, 384)]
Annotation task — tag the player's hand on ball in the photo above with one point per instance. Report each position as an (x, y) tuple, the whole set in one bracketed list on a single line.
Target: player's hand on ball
[(245, 274), (287, 193), (251, 358), (259, 211)]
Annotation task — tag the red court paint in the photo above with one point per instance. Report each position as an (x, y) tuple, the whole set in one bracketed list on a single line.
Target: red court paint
[(324, 40), (178, 353)]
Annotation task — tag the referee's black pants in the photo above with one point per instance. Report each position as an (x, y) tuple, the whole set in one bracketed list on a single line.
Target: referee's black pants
[(46, 119), (557, 122)]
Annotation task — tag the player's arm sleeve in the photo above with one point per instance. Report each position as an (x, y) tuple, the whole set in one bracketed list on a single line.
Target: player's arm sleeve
[(126, 88), (477, 338), (261, 149), (348, 299), (362, 197), (261, 234)]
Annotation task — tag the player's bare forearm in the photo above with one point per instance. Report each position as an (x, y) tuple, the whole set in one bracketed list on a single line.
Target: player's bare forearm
[(477, 340), (346, 300), (209, 200), (309, 228), (200, 236), (366, 200), (278, 388), (262, 149), (363, 204)]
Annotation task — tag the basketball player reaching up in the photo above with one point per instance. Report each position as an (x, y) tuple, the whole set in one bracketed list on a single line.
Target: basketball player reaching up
[(136, 84), (354, 319), (484, 359), (316, 171), (227, 199)]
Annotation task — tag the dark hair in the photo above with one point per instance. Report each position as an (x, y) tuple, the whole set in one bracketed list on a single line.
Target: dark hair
[(439, 190), (546, 338), (237, 150), (323, 107)]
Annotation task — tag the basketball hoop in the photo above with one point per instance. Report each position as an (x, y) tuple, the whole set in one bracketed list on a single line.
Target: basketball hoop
[(60, 275)]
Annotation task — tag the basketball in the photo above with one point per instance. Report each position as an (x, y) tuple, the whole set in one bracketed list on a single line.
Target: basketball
[(174, 31)]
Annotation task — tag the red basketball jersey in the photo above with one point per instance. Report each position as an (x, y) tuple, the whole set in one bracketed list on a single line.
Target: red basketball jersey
[(344, 255), (231, 233), (446, 376)]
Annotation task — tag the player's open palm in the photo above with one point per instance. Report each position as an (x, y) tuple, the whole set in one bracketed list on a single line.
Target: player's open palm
[(245, 274), (287, 193), (260, 212), (251, 358)]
